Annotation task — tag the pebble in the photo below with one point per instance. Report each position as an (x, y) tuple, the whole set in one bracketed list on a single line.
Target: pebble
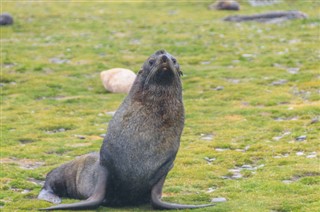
[(25, 191), (26, 141), (312, 155), (55, 131), (277, 138), (281, 156), (279, 82), (80, 136), (210, 190), (57, 60), (287, 181), (234, 81), (300, 153), (247, 55), (314, 120), (246, 167), (293, 70), (301, 138), (221, 149), (35, 181), (247, 148), (111, 113), (236, 176), (207, 137), (117, 80), (102, 135), (210, 159), (219, 199), (256, 3), (294, 118), (205, 62), (218, 88)]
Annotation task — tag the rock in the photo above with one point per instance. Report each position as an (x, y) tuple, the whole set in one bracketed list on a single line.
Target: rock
[(57, 60), (301, 138), (55, 131), (218, 88), (36, 182), (236, 176), (277, 138), (209, 160), (300, 153), (256, 3), (249, 167), (6, 19), (25, 191), (293, 70), (207, 137), (315, 120), (225, 5), (110, 113), (26, 140), (312, 155), (117, 80), (219, 199), (210, 190), (279, 82), (235, 173), (221, 149), (80, 136)]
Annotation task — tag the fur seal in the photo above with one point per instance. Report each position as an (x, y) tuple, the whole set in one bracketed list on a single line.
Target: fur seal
[(75, 179), (269, 17), (6, 19), (138, 151)]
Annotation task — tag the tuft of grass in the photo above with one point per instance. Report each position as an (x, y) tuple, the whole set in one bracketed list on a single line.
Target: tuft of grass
[(51, 93)]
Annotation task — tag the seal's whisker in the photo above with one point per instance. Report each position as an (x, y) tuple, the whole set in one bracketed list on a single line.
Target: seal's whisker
[(151, 73)]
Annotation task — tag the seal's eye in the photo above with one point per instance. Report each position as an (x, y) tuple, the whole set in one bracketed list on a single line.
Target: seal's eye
[(151, 62), (174, 61)]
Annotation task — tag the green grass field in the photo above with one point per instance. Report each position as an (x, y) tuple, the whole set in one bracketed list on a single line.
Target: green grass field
[(54, 107)]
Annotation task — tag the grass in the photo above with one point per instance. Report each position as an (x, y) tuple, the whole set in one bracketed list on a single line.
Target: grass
[(45, 106)]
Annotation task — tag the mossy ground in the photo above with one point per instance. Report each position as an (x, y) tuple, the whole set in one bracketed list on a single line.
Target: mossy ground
[(255, 122)]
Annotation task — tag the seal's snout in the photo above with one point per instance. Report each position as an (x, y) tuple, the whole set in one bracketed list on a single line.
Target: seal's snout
[(164, 58)]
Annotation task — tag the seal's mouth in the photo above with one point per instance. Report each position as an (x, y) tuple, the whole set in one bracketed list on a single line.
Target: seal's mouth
[(165, 63)]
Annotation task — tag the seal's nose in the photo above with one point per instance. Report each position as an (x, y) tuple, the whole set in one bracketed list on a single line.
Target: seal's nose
[(164, 58)]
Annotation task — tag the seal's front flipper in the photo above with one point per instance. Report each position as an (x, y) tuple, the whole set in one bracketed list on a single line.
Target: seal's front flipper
[(156, 202), (49, 196), (94, 200)]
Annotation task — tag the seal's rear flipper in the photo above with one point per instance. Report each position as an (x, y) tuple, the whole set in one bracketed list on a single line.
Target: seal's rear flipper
[(94, 200), (49, 196), (156, 202)]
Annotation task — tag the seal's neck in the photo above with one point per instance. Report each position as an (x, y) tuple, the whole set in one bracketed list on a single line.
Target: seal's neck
[(157, 93)]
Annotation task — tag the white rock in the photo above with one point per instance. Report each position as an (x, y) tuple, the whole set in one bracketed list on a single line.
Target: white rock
[(117, 80), (300, 153), (219, 199)]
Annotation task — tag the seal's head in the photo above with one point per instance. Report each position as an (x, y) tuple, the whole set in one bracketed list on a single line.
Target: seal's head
[(160, 68), (159, 74), (159, 77)]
